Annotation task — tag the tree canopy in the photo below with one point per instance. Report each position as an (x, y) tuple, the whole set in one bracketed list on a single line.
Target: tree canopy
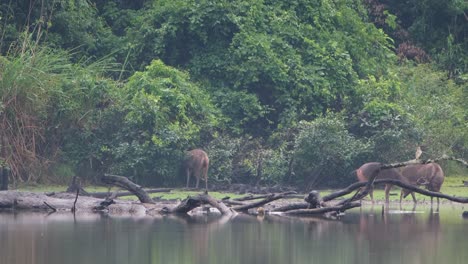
[(275, 91)]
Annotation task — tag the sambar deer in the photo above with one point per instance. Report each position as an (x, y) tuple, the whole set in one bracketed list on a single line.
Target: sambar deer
[(365, 172), (196, 163), (430, 175)]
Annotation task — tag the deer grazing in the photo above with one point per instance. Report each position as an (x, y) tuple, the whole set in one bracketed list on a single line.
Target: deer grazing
[(365, 172), (196, 163), (430, 175)]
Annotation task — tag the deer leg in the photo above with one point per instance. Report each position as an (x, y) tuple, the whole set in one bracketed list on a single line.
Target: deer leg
[(401, 195), (198, 181), (387, 192), (188, 177), (414, 198), (205, 176), (371, 194)]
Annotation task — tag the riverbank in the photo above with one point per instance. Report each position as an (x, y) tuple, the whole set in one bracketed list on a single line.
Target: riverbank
[(453, 185)]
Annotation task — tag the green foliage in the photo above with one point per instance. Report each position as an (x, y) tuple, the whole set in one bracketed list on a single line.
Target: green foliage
[(256, 83), (383, 121), (235, 160), (438, 106), (298, 64), (439, 27), (46, 103), (29, 80), (326, 151), (276, 166), (161, 114), (247, 160)]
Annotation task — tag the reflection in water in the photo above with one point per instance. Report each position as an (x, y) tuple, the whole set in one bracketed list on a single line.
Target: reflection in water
[(404, 236), (374, 235)]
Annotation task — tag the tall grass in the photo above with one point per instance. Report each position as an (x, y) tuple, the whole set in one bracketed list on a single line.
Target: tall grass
[(39, 89)]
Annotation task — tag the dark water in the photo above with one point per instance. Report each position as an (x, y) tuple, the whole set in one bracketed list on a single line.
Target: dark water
[(421, 236)]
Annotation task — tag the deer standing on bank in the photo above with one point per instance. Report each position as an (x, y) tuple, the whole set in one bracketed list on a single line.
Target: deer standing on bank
[(196, 163), (365, 172), (430, 175)]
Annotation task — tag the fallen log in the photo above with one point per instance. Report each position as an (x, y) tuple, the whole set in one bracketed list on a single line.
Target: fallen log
[(270, 198), (120, 194), (231, 202), (413, 188), (323, 210), (67, 201), (35, 201), (125, 183), (251, 197), (369, 184), (206, 199), (191, 203), (290, 207)]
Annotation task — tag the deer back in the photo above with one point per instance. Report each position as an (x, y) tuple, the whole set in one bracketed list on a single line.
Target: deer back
[(365, 171), (430, 175)]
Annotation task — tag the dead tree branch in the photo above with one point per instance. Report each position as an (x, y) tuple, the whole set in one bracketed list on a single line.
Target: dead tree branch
[(191, 203), (369, 184), (323, 210), (251, 197), (51, 207), (419, 161), (76, 199), (270, 198), (76, 185), (206, 199), (290, 207), (410, 187), (120, 194), (125, 183)]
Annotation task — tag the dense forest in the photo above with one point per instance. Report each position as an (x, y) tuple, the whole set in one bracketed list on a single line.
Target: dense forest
[(277, 92)]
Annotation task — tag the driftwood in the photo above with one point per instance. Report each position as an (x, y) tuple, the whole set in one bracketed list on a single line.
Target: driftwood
[(289, 207), (314, 206), (270, 198), (251, 197), (324, 210), (369, 184), (75, 186), (129, 185), (191, 203), (426, 192), (232, 202), (127, 193)]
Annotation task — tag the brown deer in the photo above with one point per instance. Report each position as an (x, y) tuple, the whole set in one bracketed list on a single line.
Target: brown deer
[(365, 172), (430, 175), (196, 163)]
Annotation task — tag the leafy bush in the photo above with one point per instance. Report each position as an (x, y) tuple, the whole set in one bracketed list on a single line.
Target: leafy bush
[(160, 113), (325, 152)]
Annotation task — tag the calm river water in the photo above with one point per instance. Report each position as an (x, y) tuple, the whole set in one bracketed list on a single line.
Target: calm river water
[(367, 236)]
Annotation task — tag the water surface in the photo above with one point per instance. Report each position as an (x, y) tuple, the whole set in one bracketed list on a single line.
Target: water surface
[(367, 236)]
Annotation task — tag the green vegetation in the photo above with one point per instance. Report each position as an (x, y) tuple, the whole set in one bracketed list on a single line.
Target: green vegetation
[(277, 92)]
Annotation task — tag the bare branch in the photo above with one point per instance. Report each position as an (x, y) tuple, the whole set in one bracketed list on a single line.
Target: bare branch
[(270, 198), (290, 207), (125, 183), (323, 210), (191, 203)]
